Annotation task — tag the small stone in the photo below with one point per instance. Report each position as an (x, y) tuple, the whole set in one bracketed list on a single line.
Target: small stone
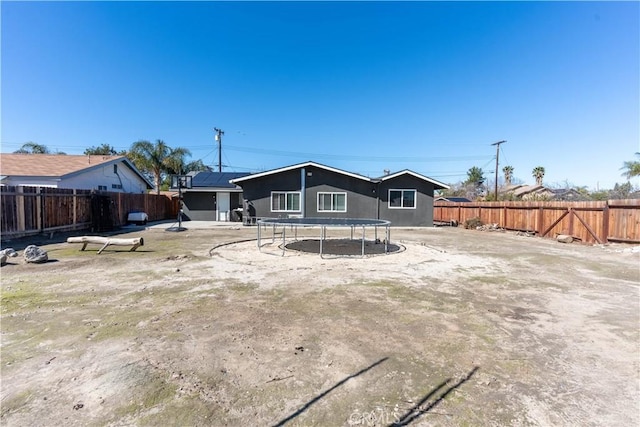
[(564, 238)]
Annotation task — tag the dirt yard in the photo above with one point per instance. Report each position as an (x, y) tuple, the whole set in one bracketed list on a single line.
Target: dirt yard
[(459, 328)]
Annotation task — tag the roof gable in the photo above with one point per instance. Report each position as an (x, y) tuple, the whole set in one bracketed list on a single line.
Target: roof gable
[(437, 184), (299, 166)]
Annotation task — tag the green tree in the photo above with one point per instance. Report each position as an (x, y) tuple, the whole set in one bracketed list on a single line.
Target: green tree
[(475, 175), (474, 183), (103, 150), (33, 148), (621, 191), (508, 174), (538, 174), (196, 166), (157, 159), (631, 168)]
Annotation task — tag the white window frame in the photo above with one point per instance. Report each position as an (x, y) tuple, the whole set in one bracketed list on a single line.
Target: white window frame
[(332, 193), (286, 193), (403, 190)]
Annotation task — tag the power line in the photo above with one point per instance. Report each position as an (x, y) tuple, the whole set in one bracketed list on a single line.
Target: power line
[(351, 157)]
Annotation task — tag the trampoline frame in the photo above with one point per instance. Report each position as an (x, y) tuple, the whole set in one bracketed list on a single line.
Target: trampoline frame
[(323, 223)]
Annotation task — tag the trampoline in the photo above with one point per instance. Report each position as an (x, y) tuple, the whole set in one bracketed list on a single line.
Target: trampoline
[(280, 225)]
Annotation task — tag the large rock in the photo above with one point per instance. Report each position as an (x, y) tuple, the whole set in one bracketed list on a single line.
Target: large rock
[(34, 254)]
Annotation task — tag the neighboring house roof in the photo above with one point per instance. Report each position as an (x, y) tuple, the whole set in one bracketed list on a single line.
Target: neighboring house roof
[(452, 199), (528, 189), (437, 184), (523, 190), (215, 179), (59, 165)]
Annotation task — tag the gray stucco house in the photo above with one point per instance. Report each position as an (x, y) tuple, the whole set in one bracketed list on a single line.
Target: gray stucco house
[(314, 190), (212, 197)]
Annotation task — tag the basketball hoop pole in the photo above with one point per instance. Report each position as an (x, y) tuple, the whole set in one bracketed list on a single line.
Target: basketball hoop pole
[(179, 182)]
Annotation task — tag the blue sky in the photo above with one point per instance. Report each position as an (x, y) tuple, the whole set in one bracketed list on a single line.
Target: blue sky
[(362, 86)]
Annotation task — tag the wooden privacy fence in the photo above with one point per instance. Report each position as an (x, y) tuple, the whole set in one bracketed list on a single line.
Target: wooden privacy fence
[(591, 222), (32, 210)]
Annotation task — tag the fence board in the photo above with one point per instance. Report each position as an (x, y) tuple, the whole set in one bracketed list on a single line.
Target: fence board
[(591, 222)]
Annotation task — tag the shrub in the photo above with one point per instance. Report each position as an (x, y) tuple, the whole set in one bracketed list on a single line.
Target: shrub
[(473, 223)]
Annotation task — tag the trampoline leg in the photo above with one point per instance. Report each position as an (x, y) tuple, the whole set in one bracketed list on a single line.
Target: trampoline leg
[(284, 232), (386, 240), (321, 239), (362, 241), (259, 247)]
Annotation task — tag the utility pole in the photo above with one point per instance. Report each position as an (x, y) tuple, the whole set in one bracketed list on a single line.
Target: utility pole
[(219, 133), (497, 144)]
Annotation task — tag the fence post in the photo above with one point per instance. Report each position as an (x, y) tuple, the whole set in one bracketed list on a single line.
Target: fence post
[(605, 222), (20, 213), (571, 214), (40, 210), (75, 206), (540, 222)]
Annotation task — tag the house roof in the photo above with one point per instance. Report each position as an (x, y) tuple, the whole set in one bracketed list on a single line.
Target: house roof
[(58, 165), (437, 184), (216, 179), (298, 166)]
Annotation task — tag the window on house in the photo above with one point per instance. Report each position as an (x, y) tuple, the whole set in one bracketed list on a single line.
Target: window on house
[(118, 186), (285, 201), (332, 202), (102, 188), (402, 199)]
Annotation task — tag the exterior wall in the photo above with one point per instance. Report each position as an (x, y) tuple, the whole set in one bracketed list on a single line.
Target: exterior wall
[(421, 216), (201, 205), (257, 192), (360, 194)]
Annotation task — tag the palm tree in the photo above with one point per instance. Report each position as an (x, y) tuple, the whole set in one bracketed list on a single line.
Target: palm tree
[(632, 168), (538, 174), (157, 159), (508, 174), (32, 148)]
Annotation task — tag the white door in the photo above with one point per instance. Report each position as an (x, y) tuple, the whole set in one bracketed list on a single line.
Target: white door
[(223, 206)]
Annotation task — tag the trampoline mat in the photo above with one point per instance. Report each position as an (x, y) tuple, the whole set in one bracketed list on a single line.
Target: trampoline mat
[(342, 247)]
